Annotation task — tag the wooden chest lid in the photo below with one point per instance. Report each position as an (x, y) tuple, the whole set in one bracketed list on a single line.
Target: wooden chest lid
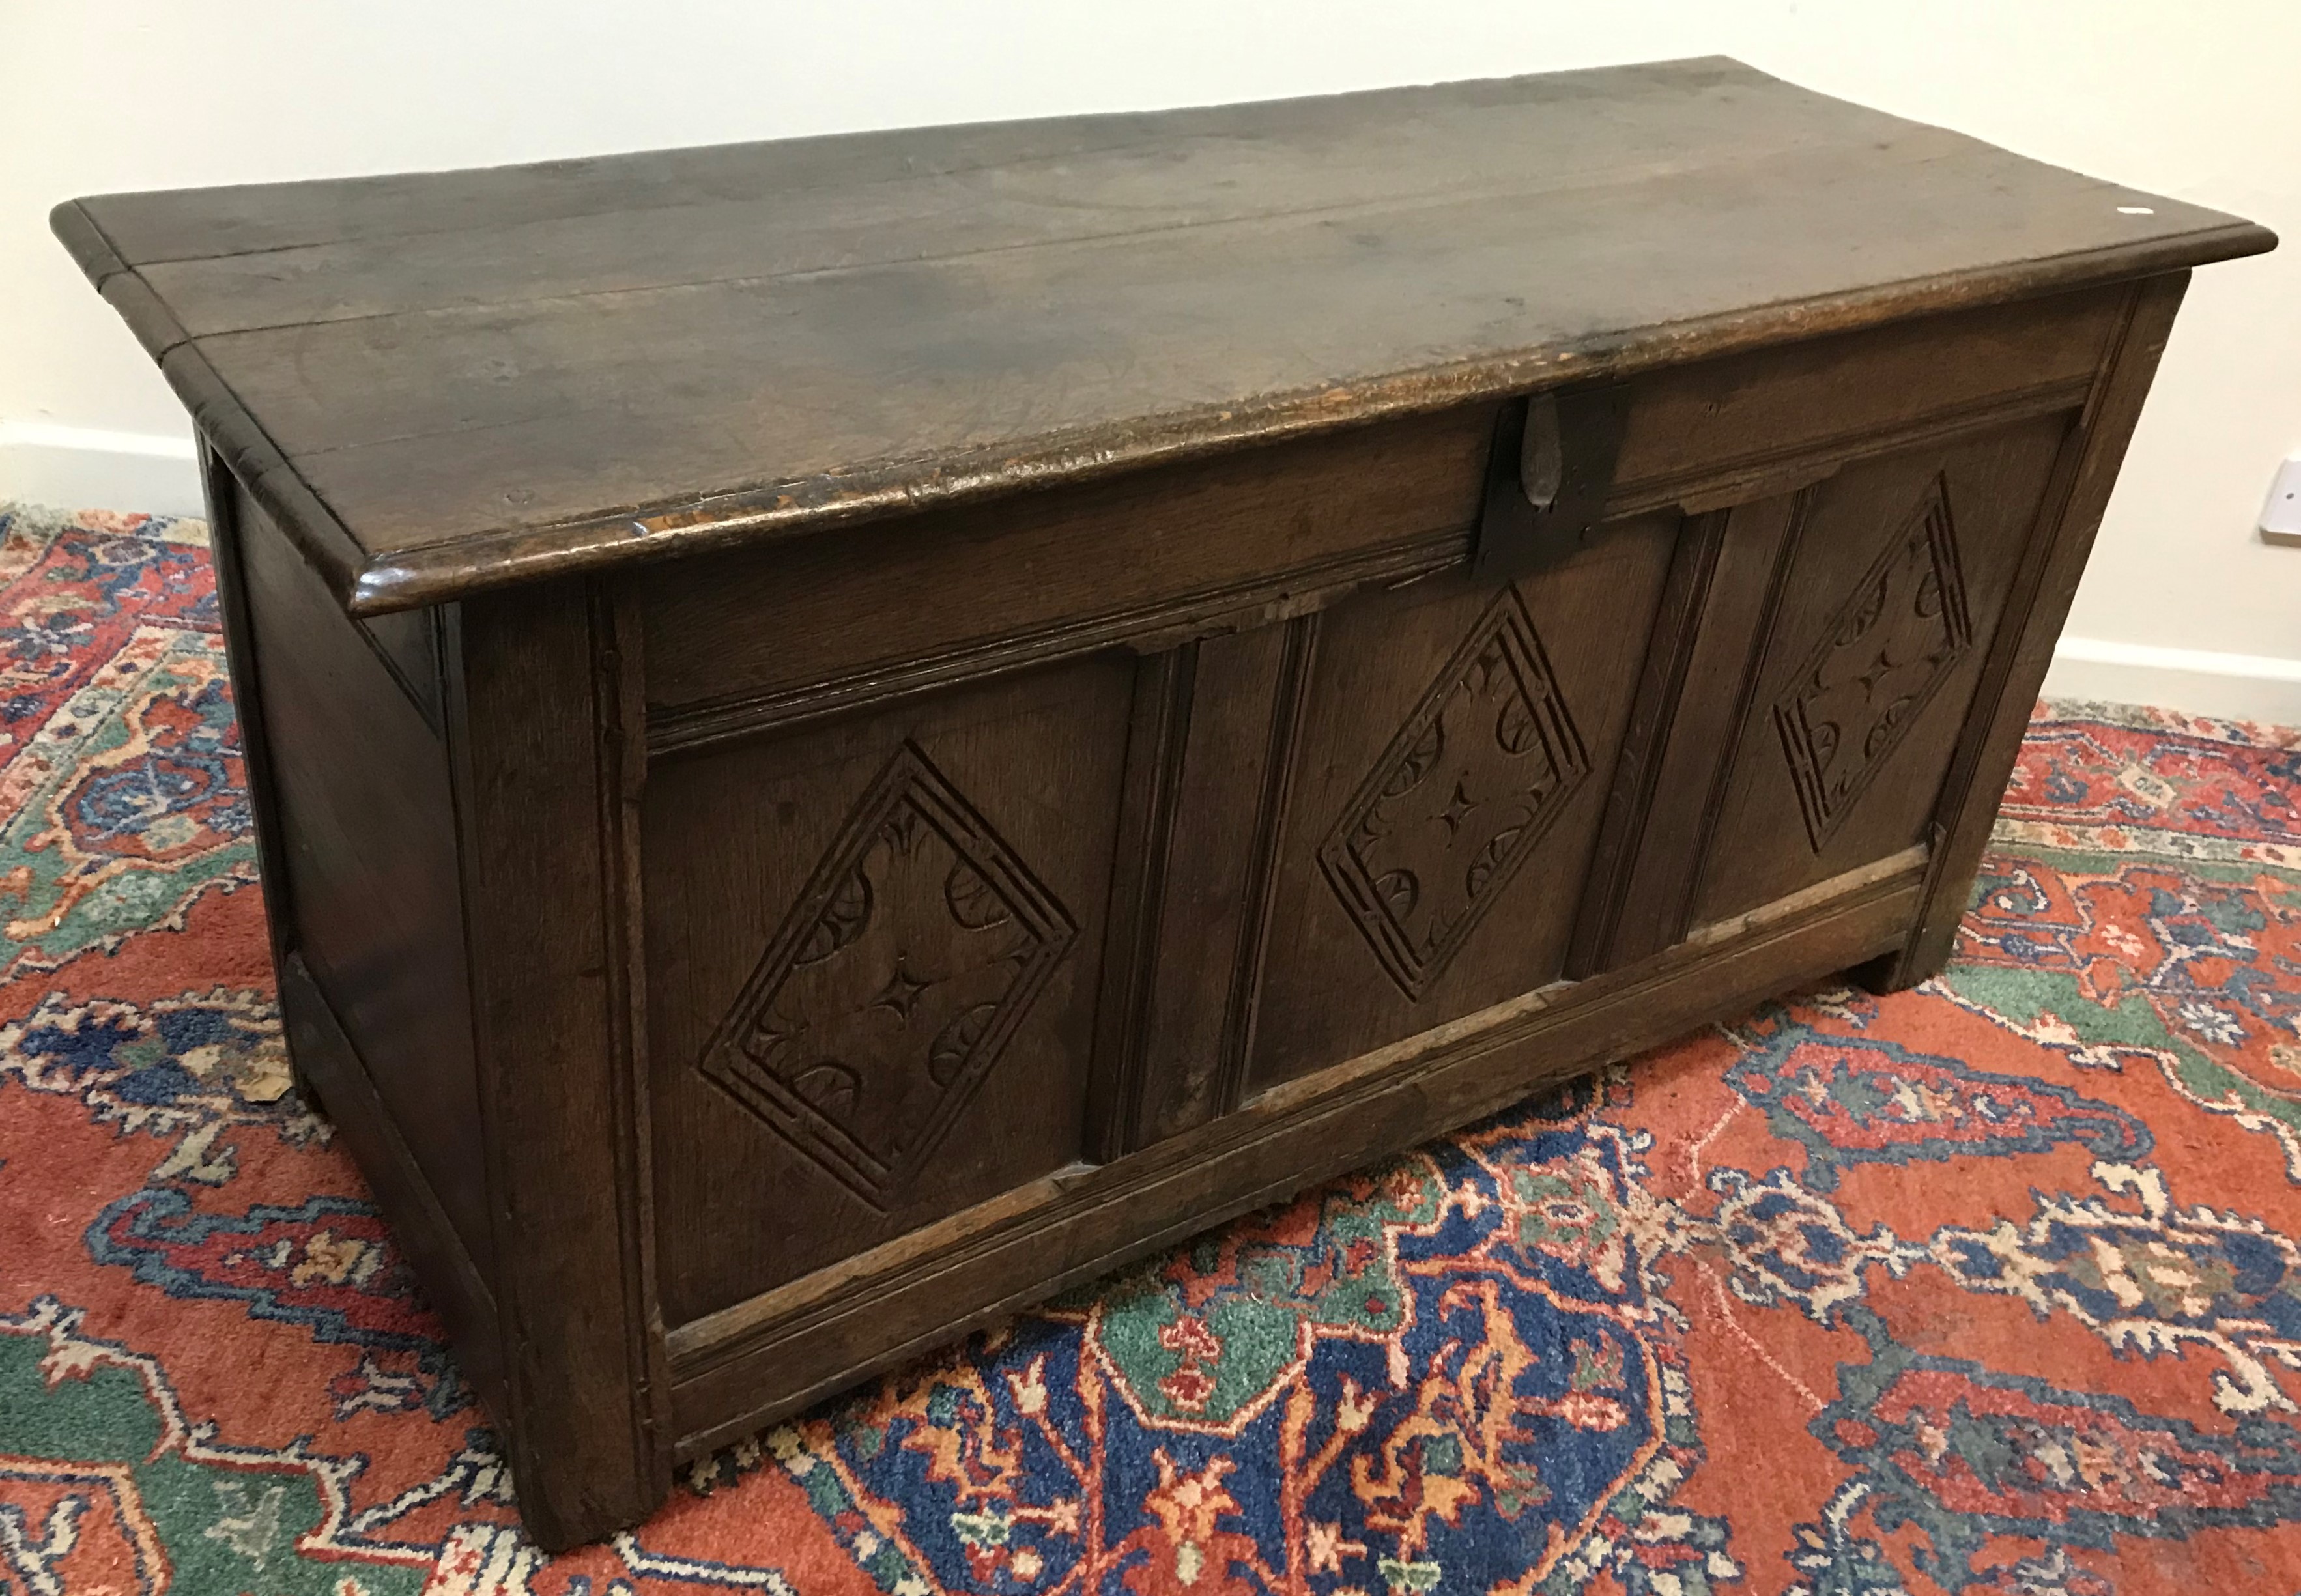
[(453, 381)]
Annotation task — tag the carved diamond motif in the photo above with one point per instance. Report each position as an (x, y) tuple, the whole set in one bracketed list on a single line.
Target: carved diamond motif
[(1457, 801), (893, 985), (1892, 644)]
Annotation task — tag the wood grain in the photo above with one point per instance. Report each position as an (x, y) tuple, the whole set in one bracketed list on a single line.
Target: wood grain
[(540, 742), (2039, 602), (362, 861), (802, 972), (754, 1362), (1427, 869), (1870, 656), (484, 377)]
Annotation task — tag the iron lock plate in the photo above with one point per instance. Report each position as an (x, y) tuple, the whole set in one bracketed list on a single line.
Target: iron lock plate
[(1547, 477)]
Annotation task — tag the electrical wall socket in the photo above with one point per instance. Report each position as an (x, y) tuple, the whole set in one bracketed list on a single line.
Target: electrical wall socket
[(2280, 516)]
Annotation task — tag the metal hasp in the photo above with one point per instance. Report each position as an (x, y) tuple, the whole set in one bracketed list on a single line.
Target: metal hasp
[(1546, 479)]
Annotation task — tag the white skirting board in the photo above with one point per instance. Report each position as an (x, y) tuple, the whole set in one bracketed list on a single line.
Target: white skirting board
[(81, 468), (2237, 686)]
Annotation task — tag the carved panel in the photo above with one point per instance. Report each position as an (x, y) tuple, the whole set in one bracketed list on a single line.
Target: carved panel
[(886, 996), (1457, 801), (1892, 643)]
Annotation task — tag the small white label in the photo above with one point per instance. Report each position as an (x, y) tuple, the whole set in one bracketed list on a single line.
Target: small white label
[(2135, 211)]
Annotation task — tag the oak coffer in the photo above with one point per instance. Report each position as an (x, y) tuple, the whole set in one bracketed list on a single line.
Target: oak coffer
[(848, 732)]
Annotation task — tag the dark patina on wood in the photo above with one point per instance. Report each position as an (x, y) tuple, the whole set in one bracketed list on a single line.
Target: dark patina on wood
[(848, 732)]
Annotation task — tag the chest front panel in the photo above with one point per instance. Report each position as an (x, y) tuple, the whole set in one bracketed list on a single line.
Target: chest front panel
[(873, 954), (1895, 572), (1459, 741), (1015, 843)]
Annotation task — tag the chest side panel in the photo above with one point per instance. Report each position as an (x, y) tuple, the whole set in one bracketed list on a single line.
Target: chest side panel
[(367, 861)]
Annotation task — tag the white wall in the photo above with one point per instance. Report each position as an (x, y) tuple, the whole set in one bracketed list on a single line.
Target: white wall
[(2191, 99)]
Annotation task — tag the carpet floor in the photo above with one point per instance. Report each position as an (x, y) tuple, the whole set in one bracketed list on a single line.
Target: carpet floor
[(1993, 1285)]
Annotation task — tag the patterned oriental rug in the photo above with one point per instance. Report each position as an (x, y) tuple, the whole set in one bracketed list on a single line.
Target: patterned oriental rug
[(1995, 1285)]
